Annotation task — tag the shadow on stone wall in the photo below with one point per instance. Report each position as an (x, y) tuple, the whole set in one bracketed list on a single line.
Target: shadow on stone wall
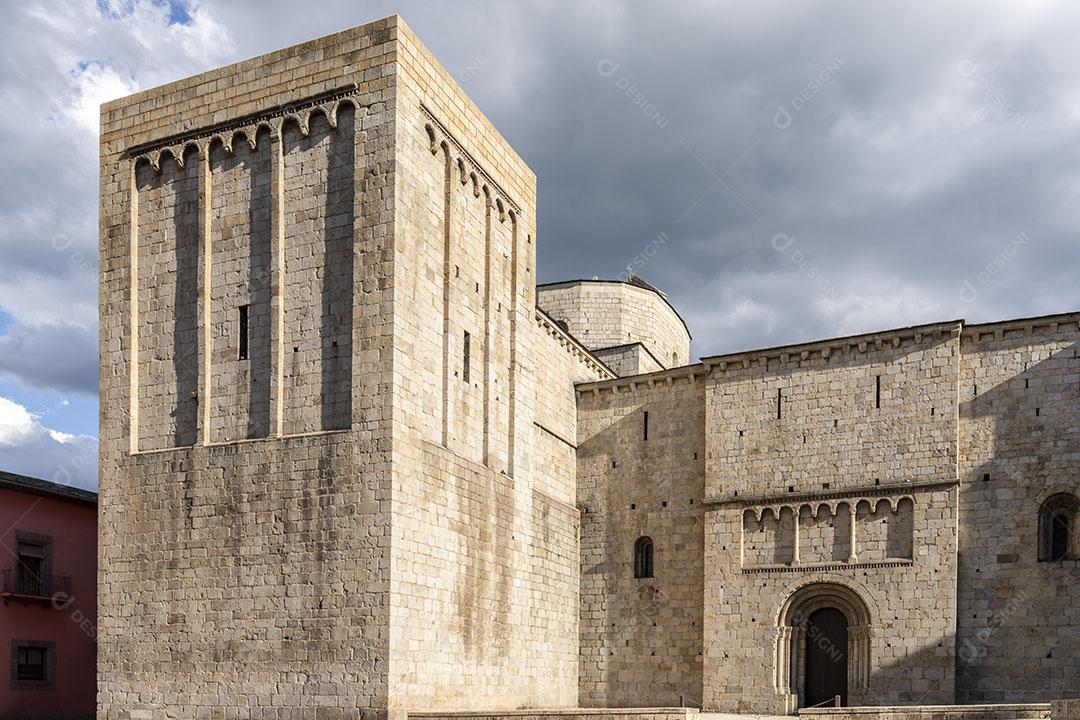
[(1018, 636), (337, 289), (259, 275), (642, 637)]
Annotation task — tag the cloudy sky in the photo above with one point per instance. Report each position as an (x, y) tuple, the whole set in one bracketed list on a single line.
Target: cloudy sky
[(785, 171)]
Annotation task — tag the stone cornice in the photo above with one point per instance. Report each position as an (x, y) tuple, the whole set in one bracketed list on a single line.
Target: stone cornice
[(848, 345), (819, 567), (852, 497), (996, 330), (440, 137), (569, 342), (226, 132), (691, 373), (626, 346)]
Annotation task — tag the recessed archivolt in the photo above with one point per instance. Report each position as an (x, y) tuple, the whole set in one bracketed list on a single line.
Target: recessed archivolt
[(1057, 489), (802, 599)]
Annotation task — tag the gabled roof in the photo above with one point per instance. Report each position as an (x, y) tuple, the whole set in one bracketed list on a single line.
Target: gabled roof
[(37, 486)]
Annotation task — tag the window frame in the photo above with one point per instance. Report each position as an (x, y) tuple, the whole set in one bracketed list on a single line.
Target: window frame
[(243, 335), (49, 648), (45, 542), (1059, 505), (644, 553), (466, 357)]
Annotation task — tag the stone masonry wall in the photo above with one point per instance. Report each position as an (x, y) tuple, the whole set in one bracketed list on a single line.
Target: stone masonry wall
[(1019, 629), (168, 291), (242, 260), (641, 638), (653, 713), (345, 468), (910, 607), (485, 569), (626, 360), (319, 177), (240, 568), (608, 313), (555, 416), (809, 446)]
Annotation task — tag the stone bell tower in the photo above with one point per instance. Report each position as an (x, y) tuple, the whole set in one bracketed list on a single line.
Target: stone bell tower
[(334, 478)]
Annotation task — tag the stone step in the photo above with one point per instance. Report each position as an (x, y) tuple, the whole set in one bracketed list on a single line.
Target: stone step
[(1025, 711)]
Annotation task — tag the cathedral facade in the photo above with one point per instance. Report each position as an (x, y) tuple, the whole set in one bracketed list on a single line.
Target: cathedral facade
[(355, 462)]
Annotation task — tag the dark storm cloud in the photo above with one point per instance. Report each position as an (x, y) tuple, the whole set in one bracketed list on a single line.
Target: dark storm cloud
[(59, 357), (916, 163), (815, 169)]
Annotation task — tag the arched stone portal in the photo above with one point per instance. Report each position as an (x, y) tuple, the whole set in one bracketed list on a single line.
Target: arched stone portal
[(822, 645)]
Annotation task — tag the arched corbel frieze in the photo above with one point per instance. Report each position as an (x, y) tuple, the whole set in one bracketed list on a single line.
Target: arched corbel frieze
[(225, 140), (468, 170), (433, 143), (301, 121)]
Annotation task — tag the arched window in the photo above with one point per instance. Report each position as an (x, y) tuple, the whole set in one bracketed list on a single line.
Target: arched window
[(643, 558), (1058, 528)]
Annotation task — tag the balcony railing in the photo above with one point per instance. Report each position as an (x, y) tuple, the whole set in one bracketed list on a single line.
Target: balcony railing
[(25, 584)]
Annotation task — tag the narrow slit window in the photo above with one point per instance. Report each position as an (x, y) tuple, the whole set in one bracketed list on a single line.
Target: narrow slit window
[(1058, 518), (643, 558), (465, 346), (645, 426), (779, 403), (877, 392), (242, 354)]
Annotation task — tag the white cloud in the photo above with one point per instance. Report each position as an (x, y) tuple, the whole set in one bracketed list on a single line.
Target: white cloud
[(56, 356), (901, 178), (27, 447), (16, 423), (95, 84), (62, 59)]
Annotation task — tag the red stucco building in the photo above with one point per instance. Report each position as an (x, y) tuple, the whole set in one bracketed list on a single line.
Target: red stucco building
[(48, 591)]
